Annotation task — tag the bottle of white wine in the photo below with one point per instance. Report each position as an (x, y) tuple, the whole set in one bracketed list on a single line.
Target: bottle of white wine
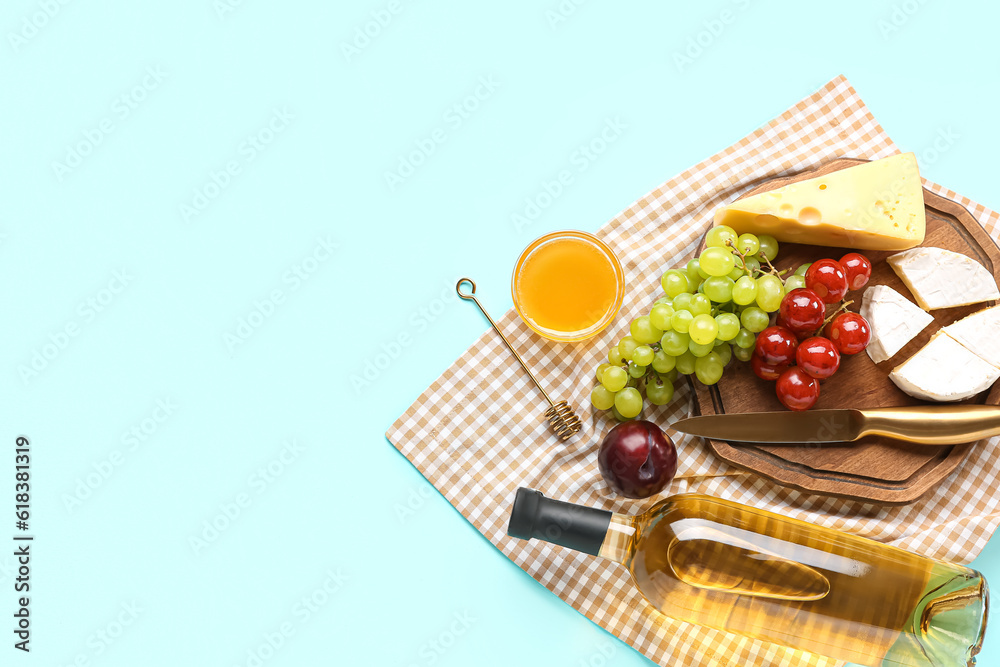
[(735, 568)]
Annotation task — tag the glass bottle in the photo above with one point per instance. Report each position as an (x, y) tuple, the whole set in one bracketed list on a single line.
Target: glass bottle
[(755, 573)]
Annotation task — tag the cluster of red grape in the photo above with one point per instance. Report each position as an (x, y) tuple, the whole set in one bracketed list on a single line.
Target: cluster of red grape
[(804, 346)]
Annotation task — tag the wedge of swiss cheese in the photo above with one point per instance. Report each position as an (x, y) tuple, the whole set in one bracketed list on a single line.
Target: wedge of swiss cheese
[(876, 205)]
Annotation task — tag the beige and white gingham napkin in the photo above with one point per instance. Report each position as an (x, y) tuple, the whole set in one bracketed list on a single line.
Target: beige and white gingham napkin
[(478, 434)]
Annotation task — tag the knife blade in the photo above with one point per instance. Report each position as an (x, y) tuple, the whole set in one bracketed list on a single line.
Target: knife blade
[(777, 427), (920, 424)]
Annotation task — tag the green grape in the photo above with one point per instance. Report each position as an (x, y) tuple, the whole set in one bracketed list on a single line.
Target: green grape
[(801, 270), (628, 402), (725, 352), (674, 342), (754, 319), (693, 271), (700, 304), (720, 237), (643, 331), (794, 282), (719, 289), (665, 300), (745, 291), (627, 346), (600, 373), (701, 287), (685, 363), (643, 355), (708, 370), (615, 357), (636, 370), (737, 271), (770, 292), (703, 329), (618, 416), (748, 244), (719, 343), (681, 321), (659, 391), (682, 301), (768, 246), (671, 376), (662, 362), (752, 265), (701, 273), (699, 350), (743, 353), (615, 378), (602, 398), (744, 339), (729, 326), (674, 282), (717, 261), (660, 316)]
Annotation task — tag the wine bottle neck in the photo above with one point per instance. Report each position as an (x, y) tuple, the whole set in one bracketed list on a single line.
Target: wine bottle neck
[(619, 541), (573, 526)]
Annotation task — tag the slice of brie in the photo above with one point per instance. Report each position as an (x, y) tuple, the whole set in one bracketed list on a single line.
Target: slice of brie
[(893, 319), (980, 333), (944, 370), (940, 278)]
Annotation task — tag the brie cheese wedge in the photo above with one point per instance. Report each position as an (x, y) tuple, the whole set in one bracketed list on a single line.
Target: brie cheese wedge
[(893, 319), (940, 278), (944, 370), (980, 333)]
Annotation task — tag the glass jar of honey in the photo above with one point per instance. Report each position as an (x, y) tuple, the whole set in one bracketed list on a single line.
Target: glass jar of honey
[(568, 286)]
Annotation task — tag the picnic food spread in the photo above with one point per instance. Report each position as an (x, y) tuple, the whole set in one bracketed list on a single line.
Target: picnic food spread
[(747, 571)]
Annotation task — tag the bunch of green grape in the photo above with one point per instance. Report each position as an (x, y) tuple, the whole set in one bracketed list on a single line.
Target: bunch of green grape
[(713, 309)]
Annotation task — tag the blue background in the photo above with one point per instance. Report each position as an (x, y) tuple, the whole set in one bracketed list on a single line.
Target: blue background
[(173, 178)]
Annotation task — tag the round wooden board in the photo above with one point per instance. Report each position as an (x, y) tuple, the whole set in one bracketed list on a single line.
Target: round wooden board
[(875, 468)]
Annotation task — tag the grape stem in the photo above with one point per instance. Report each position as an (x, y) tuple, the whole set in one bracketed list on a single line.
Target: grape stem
[(743, 262), (843, 307), (772, 270)]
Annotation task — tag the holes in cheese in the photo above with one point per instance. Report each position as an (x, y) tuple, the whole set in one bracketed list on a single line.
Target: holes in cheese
[(877, 205)]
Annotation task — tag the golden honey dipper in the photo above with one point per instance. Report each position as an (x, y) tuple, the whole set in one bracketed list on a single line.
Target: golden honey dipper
[(560, 416)]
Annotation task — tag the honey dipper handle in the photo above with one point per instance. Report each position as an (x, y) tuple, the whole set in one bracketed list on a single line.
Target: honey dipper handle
[(471, 296)]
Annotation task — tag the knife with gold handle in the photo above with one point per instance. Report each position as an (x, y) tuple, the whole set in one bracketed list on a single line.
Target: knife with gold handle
[(925, 425)]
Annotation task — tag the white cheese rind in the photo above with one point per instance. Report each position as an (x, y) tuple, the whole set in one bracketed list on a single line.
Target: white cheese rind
[(980, 333), (944, 370), (894, 321), (940, 278)]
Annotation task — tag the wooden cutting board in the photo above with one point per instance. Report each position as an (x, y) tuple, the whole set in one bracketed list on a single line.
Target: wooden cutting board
[(874, 468)]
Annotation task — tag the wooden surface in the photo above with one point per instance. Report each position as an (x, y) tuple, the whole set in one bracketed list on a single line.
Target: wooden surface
[(874, 469)]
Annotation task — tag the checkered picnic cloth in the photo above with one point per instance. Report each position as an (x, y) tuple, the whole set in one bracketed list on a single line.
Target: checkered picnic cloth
[(477, 432)]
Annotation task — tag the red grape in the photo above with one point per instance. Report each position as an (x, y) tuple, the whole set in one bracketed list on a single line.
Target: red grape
[(776, 346), (818, 357), (857, 268), (765, 371), (849, 333), (796, 389), (826, 277), (802, 310)]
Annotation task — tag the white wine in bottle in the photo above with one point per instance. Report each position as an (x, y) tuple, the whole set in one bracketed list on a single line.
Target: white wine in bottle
[(735, 568)]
